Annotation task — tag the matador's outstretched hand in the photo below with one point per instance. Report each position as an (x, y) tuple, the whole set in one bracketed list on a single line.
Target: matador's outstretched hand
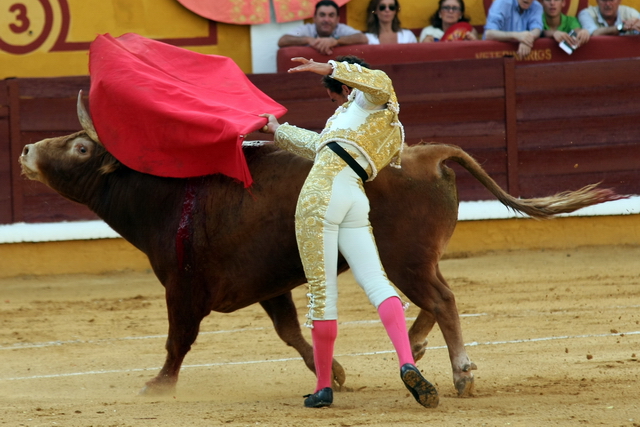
[(322, 68)]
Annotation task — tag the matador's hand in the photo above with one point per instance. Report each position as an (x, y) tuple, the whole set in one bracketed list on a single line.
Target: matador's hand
[(322, 68), (272, 124)]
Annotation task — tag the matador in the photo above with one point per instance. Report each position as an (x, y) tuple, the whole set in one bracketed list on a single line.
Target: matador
[(363, 136)]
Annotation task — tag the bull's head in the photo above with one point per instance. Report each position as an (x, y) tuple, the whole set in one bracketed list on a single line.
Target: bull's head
[(62, 161)]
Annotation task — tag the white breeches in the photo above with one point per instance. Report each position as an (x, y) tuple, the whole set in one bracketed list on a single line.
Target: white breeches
[(333, 213)]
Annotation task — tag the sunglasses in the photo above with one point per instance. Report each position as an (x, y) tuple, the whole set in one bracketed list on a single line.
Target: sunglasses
[(450, 8), (391, 7)]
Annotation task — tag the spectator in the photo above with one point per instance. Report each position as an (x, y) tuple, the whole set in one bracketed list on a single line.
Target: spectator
[(610, 18), (383, 24), (449, 13), (515, 21), (557, 25), (325, 33)]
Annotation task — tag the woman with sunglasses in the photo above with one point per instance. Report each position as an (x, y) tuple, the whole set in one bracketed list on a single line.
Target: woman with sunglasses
[(383, 25), (449, 13)]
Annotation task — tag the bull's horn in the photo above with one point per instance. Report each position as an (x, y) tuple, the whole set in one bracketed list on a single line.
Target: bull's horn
[(85, 120)]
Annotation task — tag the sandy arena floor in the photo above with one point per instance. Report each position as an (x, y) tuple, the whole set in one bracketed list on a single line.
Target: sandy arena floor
[(555, 335)]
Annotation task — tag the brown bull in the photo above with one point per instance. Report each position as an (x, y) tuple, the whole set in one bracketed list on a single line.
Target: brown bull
[(215, 246)]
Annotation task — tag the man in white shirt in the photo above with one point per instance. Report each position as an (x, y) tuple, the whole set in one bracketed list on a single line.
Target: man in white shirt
[(325, 33), (610, 18)]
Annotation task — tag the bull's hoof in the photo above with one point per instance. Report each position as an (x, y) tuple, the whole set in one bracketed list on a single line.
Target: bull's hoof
[(157, 388), (418, 350), (339, 376), (465, 387)]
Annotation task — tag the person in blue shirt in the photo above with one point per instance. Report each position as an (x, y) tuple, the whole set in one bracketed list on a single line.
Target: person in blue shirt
[(515, 21)]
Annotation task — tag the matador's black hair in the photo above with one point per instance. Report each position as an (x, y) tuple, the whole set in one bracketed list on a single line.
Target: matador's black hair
[(334, 85)]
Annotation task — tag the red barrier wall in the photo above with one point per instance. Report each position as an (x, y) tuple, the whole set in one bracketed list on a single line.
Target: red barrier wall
[(545, 51), (536, 129)]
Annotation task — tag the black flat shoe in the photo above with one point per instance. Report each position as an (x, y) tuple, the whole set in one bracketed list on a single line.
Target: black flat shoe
[(422, 390), (319, 399)]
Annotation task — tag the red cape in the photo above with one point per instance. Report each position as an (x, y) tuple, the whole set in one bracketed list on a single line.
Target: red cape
[(167, 111)]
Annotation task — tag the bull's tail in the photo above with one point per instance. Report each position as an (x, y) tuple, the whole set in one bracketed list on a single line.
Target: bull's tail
[(543, 207)]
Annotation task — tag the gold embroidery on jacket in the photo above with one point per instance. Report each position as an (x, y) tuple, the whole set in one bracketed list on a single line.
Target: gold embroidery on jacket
[(310, 213), (301, 142), (380, 139)]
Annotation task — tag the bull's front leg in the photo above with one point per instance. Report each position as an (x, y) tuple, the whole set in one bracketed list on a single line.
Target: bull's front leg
[(186, 311), (283, 314)]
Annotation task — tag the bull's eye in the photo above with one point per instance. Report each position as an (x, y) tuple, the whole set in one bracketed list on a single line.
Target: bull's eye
[(82, 149)]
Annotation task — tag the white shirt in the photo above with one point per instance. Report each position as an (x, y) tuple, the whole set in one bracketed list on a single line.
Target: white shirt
[(436, 33), (404, 36), (591, 19)]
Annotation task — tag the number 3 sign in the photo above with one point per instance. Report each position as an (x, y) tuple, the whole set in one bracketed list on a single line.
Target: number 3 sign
[(24, 25)]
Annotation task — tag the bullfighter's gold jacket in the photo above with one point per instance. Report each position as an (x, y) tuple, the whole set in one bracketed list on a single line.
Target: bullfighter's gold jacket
[(368, 120)]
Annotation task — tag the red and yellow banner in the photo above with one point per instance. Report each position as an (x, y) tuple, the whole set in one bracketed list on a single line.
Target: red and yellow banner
[(251, 12)]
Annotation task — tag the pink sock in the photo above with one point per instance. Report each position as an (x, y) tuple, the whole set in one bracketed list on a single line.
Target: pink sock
[(323, 335), (392, 317)]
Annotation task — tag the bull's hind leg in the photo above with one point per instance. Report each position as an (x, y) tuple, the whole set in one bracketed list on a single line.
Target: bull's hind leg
[(282, 312), (418, 333), (186, 309), (438, 302)]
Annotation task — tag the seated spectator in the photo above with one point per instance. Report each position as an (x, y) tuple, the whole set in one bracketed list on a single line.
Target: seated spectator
[(449, 13), (325, 33), (515, 21), (383, 24), (609, 17), (557, 25)]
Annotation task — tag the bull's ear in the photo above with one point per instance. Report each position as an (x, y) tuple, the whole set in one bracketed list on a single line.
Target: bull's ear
[(109, 163), (85, 120)]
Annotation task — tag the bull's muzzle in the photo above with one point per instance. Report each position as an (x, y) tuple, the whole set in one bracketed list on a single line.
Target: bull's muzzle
[(27, 162)]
